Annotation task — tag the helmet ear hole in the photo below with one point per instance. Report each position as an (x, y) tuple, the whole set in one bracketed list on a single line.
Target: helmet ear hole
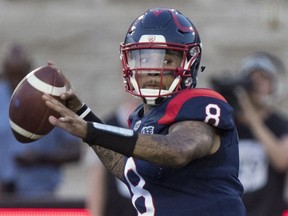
[(193, 52), (194, 72), (187, 82)]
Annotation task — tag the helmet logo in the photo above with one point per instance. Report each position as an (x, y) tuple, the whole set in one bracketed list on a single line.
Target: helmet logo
[(151, 38)]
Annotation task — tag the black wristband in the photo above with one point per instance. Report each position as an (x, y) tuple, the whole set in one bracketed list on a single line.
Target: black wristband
[(118, 139), (85, 113)]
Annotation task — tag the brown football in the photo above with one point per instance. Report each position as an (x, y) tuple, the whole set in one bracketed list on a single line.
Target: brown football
[(28, 112)]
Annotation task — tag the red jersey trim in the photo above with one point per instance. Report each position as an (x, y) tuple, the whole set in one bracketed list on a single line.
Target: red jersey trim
[(176, 103)]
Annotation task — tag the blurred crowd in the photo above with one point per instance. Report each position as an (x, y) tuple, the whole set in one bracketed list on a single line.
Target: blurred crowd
[(254, 93)]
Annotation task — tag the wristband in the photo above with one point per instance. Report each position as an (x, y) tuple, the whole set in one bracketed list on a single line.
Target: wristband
[(85, 113), (117, 139)]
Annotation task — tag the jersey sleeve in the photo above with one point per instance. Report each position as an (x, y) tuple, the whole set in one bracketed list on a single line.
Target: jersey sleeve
[(199, 105)]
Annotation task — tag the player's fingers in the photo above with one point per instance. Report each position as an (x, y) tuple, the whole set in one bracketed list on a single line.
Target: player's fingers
[(238, 91), (53, 120), (73, 125), (242, 96), (58, 107), (52, 100), (67, 95), (61, 122), (47, 97)]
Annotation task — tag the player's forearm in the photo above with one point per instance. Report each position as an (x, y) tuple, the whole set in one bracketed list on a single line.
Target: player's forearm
[(159, 150), (173, 151), (154, 148), (113, 161), (177, 149)]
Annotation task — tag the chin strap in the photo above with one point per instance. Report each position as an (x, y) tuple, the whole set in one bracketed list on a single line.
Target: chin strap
[(153, 100)]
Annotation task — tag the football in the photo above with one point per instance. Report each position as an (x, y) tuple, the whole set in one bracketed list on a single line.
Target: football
[(28, 112)]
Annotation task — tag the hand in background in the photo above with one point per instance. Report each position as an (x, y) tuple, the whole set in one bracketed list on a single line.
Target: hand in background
[(249, 114), (29, 158)]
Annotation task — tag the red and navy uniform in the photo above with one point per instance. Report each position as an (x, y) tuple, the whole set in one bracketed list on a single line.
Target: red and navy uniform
[(206, 186)]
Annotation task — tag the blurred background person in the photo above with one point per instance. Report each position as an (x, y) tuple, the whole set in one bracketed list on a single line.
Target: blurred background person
[(263, 132), (108, 196), (33, 169)]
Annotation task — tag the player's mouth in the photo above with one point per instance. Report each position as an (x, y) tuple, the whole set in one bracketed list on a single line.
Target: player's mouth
[(151, 86)]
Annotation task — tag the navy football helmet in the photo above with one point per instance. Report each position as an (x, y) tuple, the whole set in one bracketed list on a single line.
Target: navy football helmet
[(160, 31)]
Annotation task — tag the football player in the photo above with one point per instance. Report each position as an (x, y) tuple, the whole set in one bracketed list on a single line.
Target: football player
[(180, 155)]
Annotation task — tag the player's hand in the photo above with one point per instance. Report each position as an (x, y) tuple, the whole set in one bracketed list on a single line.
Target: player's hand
[(28, 158), (249, 112), (69, 121), (70, 98)]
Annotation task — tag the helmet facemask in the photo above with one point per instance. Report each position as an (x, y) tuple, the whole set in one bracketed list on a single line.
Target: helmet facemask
[(158, 61)]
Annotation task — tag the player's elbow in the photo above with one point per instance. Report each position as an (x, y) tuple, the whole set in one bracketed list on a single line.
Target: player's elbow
[(179, 159), (181, 162), (183, 156)]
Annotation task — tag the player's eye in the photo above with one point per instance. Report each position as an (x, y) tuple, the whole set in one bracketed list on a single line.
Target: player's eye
[(167, 62), (168, 73)]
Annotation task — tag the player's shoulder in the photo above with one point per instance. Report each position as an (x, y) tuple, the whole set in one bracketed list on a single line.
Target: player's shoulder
[(199, 92), (197, 104)]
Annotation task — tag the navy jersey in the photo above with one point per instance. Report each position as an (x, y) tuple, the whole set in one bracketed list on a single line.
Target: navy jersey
[(206, 186)]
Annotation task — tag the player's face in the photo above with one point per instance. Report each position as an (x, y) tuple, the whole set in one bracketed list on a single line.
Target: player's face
[(155, 67)]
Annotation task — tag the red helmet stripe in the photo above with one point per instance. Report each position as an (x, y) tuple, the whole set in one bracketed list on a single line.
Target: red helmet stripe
[(182, 28)]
